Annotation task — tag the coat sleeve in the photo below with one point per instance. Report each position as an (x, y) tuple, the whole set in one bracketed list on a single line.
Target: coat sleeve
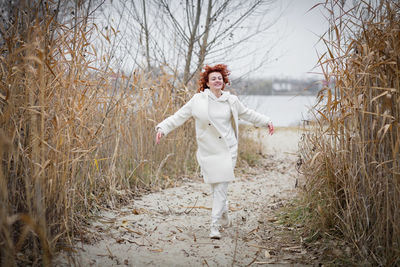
[(252, 116), (176, 120)]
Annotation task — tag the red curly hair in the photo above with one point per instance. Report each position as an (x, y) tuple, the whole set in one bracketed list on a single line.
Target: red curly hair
[(221, 68)]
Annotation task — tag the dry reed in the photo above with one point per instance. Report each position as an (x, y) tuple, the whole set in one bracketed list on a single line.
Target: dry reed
[(351, 154), (79, 134)]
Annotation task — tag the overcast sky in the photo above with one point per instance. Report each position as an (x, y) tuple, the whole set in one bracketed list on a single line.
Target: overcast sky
[(297, 33), (293, 39)]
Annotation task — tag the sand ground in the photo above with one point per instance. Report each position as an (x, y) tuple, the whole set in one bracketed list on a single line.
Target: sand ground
[(171, 227)]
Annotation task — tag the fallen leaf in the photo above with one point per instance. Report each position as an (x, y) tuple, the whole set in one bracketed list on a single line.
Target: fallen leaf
[(135, 211), (156, 250), (120, 240)]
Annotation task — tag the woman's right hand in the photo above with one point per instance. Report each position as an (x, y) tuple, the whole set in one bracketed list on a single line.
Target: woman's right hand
[(159, 135)]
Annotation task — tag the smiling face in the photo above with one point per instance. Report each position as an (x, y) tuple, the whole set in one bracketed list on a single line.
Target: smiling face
[(215, 81)]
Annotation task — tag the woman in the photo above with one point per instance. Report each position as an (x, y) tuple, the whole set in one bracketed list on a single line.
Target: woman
[(216, 115)]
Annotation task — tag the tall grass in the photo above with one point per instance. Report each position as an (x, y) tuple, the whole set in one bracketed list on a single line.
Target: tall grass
[(76, 133), (351, 154)]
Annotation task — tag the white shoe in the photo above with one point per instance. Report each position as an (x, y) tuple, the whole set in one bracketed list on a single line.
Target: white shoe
[(225, 222), (215, 234)]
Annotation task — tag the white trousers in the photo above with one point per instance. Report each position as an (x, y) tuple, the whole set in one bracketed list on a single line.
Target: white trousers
[(219, 193), (220, 202)]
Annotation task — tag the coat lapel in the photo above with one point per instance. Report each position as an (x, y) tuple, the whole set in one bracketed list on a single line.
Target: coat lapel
[(235, 117)]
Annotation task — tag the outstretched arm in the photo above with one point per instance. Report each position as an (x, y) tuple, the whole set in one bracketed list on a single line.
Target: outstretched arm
[(254, 117), (174, 121)]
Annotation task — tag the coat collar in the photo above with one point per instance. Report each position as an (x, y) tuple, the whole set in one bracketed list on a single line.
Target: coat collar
[(223, 97)]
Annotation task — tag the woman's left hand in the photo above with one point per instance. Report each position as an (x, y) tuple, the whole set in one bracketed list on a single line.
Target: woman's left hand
[(271, 128)]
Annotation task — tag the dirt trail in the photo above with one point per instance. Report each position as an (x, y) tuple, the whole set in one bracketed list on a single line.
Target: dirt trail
[(171, 227)]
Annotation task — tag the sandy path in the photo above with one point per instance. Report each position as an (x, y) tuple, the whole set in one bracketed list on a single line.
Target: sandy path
[(171, 227)]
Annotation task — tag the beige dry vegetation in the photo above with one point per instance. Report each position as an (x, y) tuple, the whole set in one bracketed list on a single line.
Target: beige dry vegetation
[(350, 155), (80, 135)]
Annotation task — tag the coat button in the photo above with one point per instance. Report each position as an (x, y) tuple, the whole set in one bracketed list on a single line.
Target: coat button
[(220, 137), (209, 124)]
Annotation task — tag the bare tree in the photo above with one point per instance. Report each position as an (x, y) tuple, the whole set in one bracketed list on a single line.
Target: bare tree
[(183, 35)]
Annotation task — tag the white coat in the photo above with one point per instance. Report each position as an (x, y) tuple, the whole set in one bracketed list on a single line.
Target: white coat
[(213, 153)]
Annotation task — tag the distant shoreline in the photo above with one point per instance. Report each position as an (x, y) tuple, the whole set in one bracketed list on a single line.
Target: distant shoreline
[(281, 94)]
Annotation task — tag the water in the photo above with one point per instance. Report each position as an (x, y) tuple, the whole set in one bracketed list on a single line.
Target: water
[(283, 110)]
